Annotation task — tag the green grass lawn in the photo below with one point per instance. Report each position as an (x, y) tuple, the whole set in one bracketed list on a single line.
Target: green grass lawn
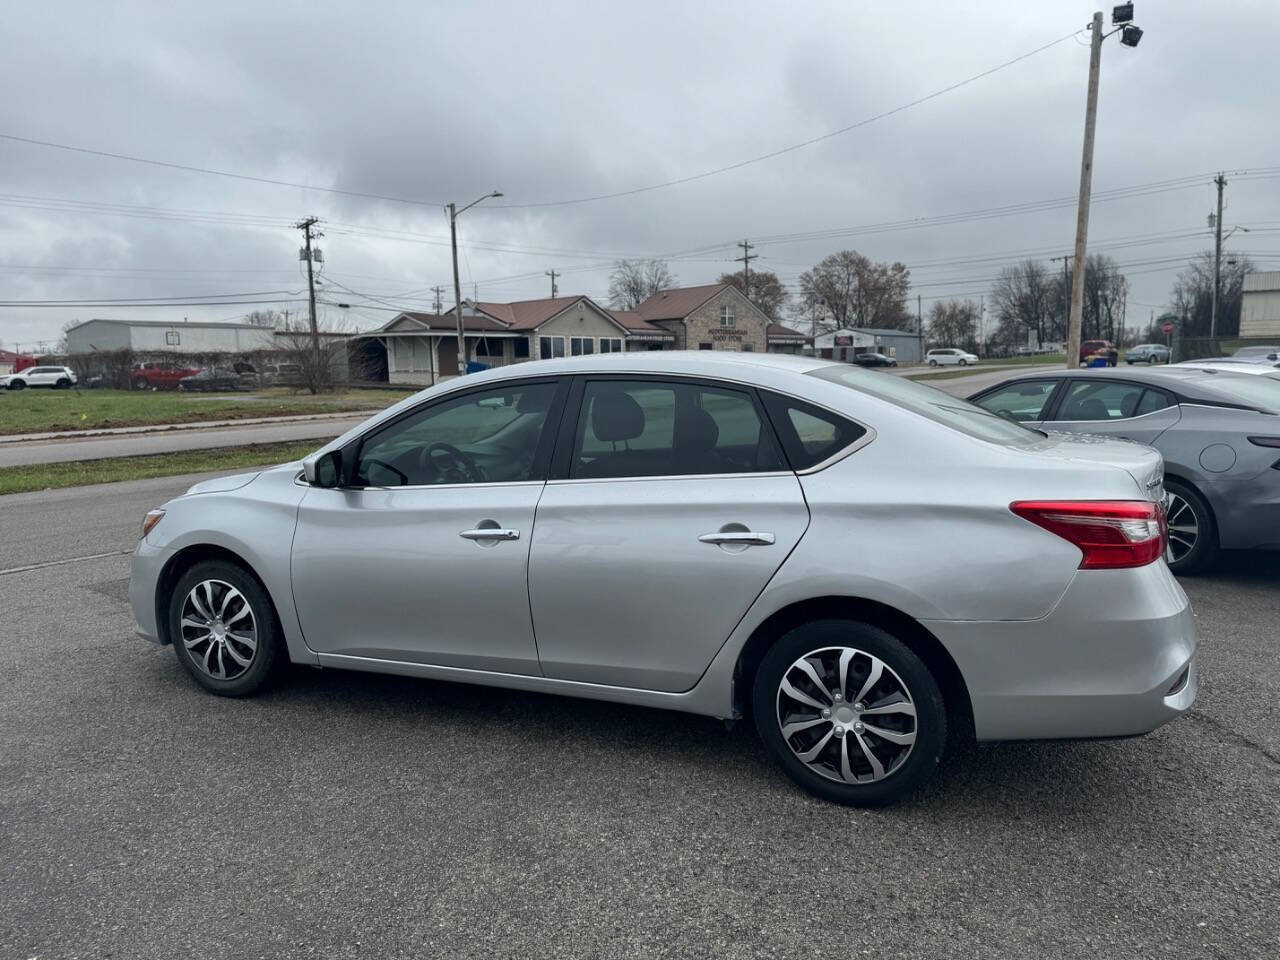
[(39, 411), (49, 476)]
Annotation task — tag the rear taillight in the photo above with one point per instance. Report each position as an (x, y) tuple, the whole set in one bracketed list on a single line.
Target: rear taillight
[(1110, 533)]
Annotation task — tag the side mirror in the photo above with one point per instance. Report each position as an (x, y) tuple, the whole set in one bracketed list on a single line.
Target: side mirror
[(323, 469)]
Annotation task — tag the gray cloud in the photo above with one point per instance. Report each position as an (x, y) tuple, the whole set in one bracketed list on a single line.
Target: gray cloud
[(548, 102)]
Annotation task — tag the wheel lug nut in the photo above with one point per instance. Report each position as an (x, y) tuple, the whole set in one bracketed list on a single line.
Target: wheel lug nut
[(826, 714), (859, 707), (839, 731), (858, 727), (838, 698)]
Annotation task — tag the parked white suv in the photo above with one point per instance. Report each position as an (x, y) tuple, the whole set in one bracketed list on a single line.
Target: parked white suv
[(57, 377), (950, 355)]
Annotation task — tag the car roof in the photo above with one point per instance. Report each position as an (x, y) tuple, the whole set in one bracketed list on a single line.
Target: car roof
[(711, 363)]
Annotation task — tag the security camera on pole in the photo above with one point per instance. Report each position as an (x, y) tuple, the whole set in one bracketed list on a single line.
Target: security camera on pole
[(1130, 34)]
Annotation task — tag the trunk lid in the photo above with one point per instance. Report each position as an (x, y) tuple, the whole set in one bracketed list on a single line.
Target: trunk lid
[(1140, 461)]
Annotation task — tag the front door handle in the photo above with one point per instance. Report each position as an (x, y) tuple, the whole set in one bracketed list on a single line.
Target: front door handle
[(490, 533), (746, 538)]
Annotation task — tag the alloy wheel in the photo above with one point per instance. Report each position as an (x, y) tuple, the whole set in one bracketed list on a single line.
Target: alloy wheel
[(219, 629), (1184, 528), (846, 715)]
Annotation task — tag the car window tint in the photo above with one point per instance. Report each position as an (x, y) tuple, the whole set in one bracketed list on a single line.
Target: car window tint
[(1100, 400), (1023, 400), (485, 437), (651, 429), (809, 434), (1153, 400)]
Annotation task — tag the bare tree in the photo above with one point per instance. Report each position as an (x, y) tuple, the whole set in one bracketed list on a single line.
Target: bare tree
[(264, 318), (767, 291), (954, 323), (291, 343), (634, 281), (1024, 299), (853, 291), (1192, 295)]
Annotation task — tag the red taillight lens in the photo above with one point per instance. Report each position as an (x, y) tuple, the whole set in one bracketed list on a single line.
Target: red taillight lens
[(1110, 533)]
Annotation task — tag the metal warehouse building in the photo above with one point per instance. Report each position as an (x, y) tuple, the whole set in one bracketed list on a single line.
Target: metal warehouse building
[(149, 336)]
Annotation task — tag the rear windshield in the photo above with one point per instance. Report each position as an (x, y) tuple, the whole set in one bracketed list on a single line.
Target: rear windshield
[(931, 403), (1260, 392)]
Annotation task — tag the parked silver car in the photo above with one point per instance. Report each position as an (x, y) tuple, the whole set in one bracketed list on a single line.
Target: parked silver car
[(865, 565), (1218, 430)]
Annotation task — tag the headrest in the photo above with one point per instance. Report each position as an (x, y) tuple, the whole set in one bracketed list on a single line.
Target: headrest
[(615, 416), (696, 430), (534, 400)]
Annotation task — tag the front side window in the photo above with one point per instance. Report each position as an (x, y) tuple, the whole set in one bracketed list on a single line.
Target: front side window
[(726, 315), (1100, 400), (1023, 400), (579, 346), (550, 347), (485, 437), (645, 428)]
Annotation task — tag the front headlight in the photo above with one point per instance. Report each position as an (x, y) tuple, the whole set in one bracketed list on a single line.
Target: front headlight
[(150, 520)]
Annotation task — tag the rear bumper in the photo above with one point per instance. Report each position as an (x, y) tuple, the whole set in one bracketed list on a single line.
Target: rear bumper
[(1115, 658)]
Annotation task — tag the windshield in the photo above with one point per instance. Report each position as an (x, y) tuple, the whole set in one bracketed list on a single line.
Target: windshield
[(931, 403)]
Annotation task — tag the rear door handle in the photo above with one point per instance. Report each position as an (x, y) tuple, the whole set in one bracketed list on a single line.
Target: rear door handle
[(490, 533), (746, 537)]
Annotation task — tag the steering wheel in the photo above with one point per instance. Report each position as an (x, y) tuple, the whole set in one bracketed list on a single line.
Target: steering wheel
[(1007, 414), (450, 464)]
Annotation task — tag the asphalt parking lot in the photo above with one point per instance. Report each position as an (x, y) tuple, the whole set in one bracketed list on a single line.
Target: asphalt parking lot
[(350, 815)]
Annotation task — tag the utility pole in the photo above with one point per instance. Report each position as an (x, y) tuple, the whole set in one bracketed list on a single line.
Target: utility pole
[(439, 292), (1086, 188), (1130, 34), (309, 233), (746, 258), (1066, 293), (920, 324), (552, 274), (1221, 182)]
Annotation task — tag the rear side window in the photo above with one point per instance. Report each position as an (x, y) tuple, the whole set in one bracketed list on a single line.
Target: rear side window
[(655, 428), (809, 434), (1152, 401), (1097, 399)]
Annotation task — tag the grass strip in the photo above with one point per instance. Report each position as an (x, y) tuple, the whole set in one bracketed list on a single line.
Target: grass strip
[(75, 473)]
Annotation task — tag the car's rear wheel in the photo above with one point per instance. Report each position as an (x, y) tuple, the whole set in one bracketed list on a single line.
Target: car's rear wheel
[(224, 629), (142, 383), (1193, 535), (849, 712), (63, 384)]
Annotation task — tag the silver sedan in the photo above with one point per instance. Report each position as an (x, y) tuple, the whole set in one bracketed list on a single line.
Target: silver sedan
[(867, 567)]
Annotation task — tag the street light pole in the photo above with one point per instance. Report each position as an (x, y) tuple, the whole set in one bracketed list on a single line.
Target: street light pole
[(457, 285)]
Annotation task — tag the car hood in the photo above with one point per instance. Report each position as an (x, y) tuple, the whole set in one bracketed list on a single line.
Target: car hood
[(1140, 461), (222, 484)]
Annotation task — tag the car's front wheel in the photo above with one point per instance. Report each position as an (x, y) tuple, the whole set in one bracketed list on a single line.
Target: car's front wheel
[(1193, 535), (933, 363), (224, 629), (849, 712), (16, 385)]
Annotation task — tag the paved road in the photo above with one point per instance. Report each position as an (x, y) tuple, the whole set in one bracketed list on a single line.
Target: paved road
[(350, 815), (96, 448)]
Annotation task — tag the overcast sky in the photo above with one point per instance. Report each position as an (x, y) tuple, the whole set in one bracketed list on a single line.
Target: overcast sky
[(559, 101)]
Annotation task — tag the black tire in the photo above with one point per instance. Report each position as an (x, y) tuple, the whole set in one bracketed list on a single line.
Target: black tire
[(269, 653), (964, 362), (142, 383), (17, 385), (908, 669), (63, 384), (933, 363), (1205, 552)]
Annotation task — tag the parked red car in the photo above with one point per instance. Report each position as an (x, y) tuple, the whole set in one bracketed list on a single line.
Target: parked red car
[(159, 376), (1094, 348)]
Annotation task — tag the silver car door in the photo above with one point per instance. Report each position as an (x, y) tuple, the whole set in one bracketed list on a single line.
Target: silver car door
[(423, 555), (669, 510)]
